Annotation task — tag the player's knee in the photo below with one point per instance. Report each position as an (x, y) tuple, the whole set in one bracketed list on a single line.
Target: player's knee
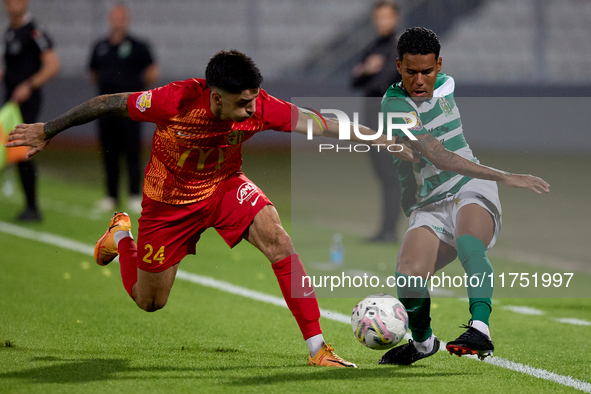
[(280, 247), (151, 304), (284, 244), (410, 267)]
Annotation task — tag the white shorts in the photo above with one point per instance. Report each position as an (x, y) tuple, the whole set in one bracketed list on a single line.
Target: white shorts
[(440, 216)]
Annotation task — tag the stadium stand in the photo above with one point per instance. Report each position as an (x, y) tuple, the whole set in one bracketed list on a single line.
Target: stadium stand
[(185, 34), (526, 41), (493, 48), (522, 41)]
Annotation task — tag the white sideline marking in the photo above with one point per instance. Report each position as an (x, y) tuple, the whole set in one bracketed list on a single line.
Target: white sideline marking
[(524, 310), (47, 238), (68, 244), (253, 294), (577, 322), (540, 373)]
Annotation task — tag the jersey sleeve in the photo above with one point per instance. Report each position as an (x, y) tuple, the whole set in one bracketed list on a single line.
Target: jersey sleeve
[(277, 114), (42, 40), (157, 105), (397, 104)]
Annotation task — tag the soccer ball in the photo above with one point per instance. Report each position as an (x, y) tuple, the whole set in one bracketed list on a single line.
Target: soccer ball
[(379, 321)]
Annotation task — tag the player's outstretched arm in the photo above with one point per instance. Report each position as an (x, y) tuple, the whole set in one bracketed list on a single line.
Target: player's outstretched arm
[(446, 160), (38, 135), (331, 130)]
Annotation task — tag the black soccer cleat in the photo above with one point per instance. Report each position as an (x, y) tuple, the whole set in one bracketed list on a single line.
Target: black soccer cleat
[(29, 215), (407, 354), (471, 342)]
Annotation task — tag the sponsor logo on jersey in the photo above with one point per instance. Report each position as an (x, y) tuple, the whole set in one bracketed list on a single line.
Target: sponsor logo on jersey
[(419, 124), (245, 191), (144, 101), (254, 202), (445, 106), (458, 200), (443, 231), (40, 40), (235, 137)]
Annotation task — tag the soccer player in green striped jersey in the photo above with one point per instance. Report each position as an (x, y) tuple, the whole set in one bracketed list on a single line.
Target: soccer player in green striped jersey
[(451, 200)]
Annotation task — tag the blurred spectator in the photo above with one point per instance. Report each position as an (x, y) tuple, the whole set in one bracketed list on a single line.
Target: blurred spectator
[(121, 63), (29, 63), (374, 74)]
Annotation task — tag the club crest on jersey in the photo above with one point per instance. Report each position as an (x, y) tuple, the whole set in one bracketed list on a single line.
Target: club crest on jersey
[(144, 101), (40, 40), (445, 106), (419, 124), (235, 137), (245, 191)]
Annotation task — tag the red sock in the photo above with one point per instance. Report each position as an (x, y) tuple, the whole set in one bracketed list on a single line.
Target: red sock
[(289, 273), (128, 263)]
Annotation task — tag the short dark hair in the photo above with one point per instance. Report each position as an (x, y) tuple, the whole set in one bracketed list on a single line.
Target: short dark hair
[(233, 72), (418, 41), (386, 3)]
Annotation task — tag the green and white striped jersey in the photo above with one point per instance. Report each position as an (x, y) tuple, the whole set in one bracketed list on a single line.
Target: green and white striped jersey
[(422, 183)]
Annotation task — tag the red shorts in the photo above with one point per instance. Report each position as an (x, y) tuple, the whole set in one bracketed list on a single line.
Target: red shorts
[(167, 233)]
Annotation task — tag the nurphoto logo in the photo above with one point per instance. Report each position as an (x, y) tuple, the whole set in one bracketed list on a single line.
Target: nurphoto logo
[(410, 122)]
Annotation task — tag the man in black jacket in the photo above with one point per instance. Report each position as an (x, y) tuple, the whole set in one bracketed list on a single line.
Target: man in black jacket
[(29, 63), (121, 63), (374, 74)]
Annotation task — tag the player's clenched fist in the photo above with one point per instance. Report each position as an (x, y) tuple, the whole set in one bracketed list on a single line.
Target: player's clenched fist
[(28, 135)]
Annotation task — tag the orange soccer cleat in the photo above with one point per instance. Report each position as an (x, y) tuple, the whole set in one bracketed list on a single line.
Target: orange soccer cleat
[(327, 358), (105, 249)]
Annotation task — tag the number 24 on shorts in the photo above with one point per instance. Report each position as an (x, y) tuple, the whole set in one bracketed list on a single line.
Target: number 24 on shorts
[(158, 257)]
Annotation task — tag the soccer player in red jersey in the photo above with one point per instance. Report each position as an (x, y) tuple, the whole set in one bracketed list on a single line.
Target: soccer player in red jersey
[(194, 181)]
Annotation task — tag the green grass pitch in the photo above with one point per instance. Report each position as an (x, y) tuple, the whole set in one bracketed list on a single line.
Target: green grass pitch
[(68, 326)]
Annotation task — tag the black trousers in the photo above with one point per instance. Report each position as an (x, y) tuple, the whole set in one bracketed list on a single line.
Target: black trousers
[(120, 137), (386, 172), (27, 170), (383, 165)]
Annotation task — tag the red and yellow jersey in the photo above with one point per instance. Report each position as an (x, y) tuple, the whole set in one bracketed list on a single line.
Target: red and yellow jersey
[(192, 150)]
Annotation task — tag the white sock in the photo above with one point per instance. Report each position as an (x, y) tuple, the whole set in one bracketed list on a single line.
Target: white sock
[(480, 326), (315, 343), (119, 235), (425, 346)]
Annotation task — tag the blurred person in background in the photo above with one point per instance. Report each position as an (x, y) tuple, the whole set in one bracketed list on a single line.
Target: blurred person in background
[(121, 63), (29, 63), (375, 73)]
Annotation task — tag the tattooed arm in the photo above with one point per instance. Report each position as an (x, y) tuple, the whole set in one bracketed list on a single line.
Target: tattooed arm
[(108, 104), (38, 135), (446, 160)]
